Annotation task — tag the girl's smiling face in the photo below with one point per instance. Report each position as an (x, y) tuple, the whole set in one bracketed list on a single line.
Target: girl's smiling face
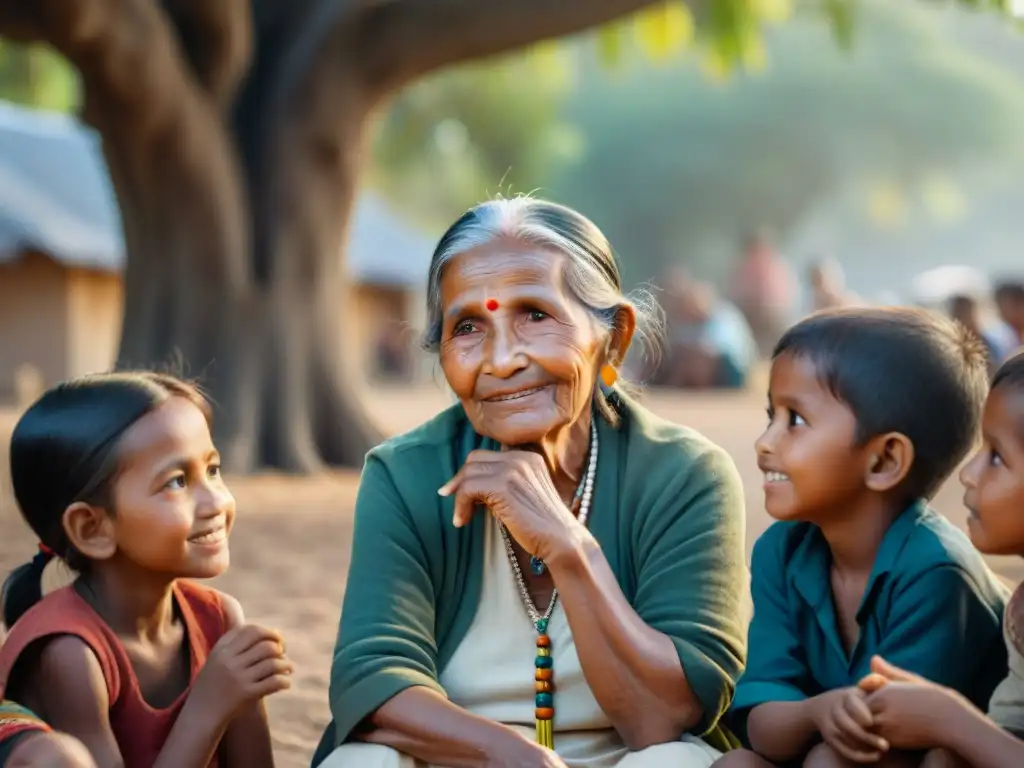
[(994, 477), (172, 511)]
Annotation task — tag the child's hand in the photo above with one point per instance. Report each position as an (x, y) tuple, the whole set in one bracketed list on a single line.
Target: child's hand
[(247, 664), (883, 672), (908, 711), (845, 723)]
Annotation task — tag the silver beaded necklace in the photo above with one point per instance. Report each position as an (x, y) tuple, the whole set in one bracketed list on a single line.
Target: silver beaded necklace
[(584, 494)]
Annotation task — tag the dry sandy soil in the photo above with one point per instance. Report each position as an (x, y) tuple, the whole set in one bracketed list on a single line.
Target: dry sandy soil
[(292, 539)]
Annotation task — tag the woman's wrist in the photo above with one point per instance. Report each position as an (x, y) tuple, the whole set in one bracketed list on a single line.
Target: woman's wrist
[(505, 745), (571, 552)]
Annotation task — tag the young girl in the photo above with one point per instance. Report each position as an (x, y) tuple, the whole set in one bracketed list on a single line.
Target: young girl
[(117, 475), (912, 713)]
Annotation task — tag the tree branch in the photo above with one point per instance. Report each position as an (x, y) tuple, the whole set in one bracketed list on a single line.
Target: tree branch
[(141, 96), (403, 39), (17, 21), (217, 38)]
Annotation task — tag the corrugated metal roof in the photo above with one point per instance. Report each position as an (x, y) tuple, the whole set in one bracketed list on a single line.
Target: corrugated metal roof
[(56, 197), (54, 192)]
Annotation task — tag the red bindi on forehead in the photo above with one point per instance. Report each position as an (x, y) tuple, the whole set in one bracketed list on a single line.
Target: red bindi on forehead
[(491, 304)]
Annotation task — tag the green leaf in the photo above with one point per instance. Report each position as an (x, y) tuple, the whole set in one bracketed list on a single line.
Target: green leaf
[(664, 30), (772, 11), (841, 14), (609, 45), (36, 76)]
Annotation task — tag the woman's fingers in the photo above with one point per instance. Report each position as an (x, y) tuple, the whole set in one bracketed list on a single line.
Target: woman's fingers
[(476, 462), (465, 508), (452, 485)]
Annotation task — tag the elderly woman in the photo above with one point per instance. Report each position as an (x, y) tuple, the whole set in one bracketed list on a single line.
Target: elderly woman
[(545, 574)]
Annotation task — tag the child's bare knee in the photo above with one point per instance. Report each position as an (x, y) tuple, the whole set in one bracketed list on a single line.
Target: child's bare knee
[(741, 758), (942, 758), (51, 750), (823, 756)]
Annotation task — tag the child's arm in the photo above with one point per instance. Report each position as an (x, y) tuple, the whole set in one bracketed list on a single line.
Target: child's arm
[(70, 684), (783, 731), (243, 667), (979, 741), (247, 741), (773, 701), (915, 714), (772, 694)]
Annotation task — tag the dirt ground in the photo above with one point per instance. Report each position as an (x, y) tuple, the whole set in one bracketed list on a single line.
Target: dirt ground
[(290, 547)]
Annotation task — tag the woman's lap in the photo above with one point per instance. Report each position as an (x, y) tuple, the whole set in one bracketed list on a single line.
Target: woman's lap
[(689, 753), (368, 756)]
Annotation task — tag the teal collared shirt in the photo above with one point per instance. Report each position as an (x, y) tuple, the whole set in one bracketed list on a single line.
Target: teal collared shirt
[(931, 606)]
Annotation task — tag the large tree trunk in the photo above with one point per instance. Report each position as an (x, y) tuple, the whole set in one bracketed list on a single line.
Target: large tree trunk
[(236, 206)]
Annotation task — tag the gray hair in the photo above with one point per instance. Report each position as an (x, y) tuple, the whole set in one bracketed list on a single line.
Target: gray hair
[(591, 274)]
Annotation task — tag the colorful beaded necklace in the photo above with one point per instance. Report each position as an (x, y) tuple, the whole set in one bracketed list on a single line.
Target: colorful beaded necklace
[(544, 699)]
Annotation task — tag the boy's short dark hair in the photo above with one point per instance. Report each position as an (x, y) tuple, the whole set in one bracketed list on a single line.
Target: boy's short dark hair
[(901, 370), (1011, 372), (1009, 290)]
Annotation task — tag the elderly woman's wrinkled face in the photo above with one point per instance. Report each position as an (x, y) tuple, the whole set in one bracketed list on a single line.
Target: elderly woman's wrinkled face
[(519, 351)]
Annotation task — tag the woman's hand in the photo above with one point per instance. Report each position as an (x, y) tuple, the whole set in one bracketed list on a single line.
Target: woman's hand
[(516, 488), (521, 752)]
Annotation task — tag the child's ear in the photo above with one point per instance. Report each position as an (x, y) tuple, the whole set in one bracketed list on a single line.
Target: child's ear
[(90, 530), (889, 459)]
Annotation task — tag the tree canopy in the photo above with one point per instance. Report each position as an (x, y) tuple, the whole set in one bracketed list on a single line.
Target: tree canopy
[(235, 130)]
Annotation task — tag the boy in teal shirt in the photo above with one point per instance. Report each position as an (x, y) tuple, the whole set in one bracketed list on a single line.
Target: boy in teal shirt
[(870, 411)]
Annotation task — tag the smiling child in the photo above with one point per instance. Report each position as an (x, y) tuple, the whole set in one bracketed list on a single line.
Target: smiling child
[(117, 475), (914, 713), (870, 411)]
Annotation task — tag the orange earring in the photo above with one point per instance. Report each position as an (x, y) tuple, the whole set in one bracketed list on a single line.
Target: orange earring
[(609, 375)]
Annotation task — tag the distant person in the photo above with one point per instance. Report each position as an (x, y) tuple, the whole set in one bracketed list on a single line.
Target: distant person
[(117, 475), (392, 354), (710, 343), (1009, 296), (910, 712), (764, 289), (998, 343), (870, 411), (828, 286), (545, 574)]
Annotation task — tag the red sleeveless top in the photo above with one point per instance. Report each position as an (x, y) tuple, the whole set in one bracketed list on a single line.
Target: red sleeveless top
[(140, 730)]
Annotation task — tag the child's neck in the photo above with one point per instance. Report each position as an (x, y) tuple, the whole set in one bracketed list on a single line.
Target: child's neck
[(135, 604), (855, 535)]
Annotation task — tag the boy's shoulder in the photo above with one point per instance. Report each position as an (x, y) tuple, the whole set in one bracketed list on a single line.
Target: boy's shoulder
[(925, 540), (775, 548), (918, 541)]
